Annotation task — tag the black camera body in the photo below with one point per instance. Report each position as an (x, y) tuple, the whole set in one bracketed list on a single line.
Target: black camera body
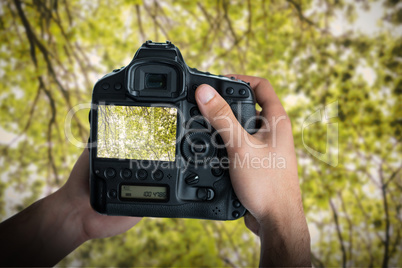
[(151, 151)]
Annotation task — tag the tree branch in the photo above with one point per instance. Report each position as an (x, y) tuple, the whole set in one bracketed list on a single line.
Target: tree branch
[(34, 42), (31, 113), (139, 21), (52, 122), (338, 231), (350, 225), (387, 221), (304, 18)]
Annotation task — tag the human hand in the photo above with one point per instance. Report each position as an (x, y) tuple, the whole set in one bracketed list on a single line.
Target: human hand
[(52, 227), (271, 194), (92, 224)]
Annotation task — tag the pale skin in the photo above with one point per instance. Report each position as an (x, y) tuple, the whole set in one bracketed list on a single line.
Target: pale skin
[(54, 226)]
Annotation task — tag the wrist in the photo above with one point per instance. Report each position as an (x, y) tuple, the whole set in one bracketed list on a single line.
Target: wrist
[(285, 238), (46, 230), (66, 218)]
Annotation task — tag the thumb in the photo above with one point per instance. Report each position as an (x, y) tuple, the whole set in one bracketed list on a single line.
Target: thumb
[(218, 112)]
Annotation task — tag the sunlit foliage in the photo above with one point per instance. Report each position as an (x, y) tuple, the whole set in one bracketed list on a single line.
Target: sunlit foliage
[(136, 132)]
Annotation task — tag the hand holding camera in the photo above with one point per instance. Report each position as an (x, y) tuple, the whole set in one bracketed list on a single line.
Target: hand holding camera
[(271, 195), (152, 153)]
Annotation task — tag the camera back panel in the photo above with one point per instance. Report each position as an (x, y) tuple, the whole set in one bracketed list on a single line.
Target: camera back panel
[(151, 151)]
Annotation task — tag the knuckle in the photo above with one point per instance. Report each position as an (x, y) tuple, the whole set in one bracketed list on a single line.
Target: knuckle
[(266, 83)]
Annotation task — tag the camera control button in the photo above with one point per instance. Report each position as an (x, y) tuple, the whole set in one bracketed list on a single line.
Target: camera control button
[(236, 203), (192, 179), (217, 172), (236, 214), (202, 193), (194, 112), (117, 86), (197, 147), (125, 173), (191, 93), (112, 194), (205, 194), (110, 173), (142, 174), (242, 92), (157, 175), (105, 86), (210, 194), (229, 91)]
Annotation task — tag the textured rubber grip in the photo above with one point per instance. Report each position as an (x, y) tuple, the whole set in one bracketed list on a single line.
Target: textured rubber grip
[(246, 115)]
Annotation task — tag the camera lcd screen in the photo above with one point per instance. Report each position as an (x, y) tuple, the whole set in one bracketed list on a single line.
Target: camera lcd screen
[(137, 132), (143, 192)]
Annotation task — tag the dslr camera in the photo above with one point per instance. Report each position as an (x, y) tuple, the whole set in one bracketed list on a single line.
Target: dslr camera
[(152, 153)]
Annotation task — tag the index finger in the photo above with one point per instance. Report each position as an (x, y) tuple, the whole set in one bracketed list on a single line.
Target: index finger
[(265, 96)]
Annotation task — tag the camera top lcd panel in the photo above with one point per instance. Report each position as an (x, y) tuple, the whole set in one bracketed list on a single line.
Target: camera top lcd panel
[(151, 151)]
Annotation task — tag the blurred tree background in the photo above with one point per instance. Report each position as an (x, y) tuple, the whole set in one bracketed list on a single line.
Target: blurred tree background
[(313, 52)]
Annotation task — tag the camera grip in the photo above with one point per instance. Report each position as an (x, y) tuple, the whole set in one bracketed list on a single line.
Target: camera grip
[(246, 115)]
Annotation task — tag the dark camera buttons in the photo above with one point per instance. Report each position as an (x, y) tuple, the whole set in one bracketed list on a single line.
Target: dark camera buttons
[(142, 174), (197, 121), (192, 179), (229, 91), (205, 194), (125, 173), (110, 173), (157, 175), (191, 94), (197, 147), (236, 214), (194, 112), (236, 203), (236, 92), (112, 194), (117, 86), (105, 86), (243, 93), (217, 172)]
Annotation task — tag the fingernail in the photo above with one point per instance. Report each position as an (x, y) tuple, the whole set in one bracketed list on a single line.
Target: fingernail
[(206, 94)]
